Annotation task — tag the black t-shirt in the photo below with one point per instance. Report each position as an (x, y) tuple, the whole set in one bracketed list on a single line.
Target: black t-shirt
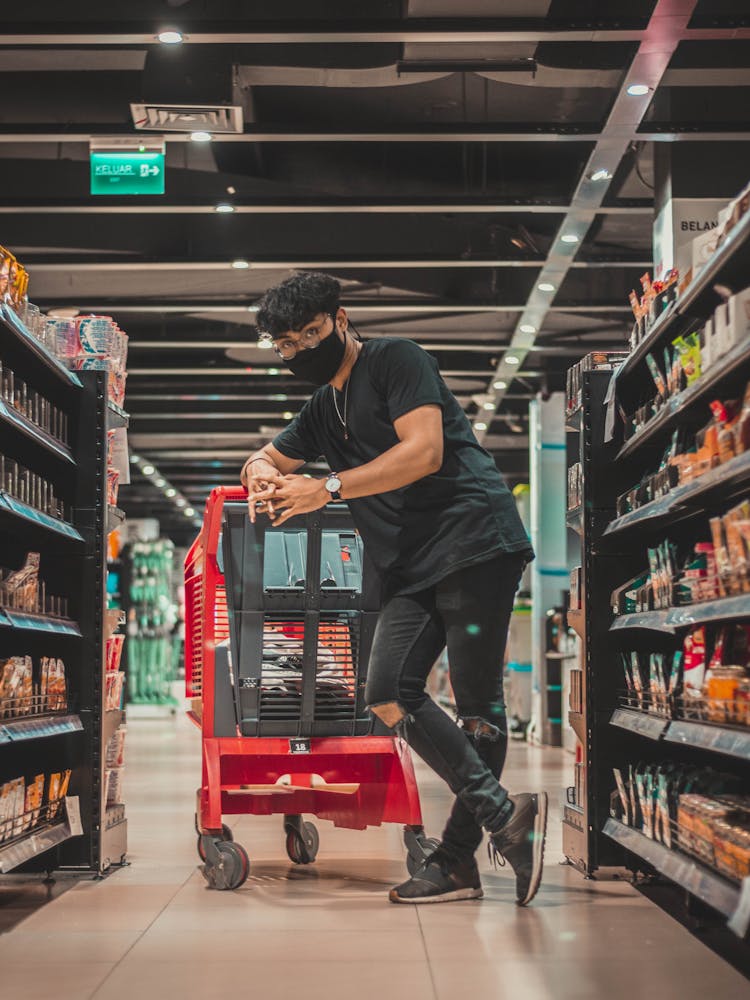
[(421, 533)]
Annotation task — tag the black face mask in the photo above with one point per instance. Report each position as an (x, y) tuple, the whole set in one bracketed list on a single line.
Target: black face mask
[(319, 364)]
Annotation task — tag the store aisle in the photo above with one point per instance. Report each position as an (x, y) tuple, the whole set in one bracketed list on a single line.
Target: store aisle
[(327, 931)]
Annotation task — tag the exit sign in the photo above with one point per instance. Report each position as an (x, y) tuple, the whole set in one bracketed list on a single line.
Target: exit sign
[(127, 173)]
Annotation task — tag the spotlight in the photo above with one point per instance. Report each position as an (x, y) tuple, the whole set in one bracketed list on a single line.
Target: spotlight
[(189, 512), (170, 492), (569, 238), (224, 208), (500, 384), (135, 459), (638, 90), (170, 37), (545, 286), (181, 502), (601, 175), (160, 482), (480, 426), (287, 415), (148, 470), (488, 406), (511, 359), (240, 265), (273, 371), (201, 137), (527, 328)]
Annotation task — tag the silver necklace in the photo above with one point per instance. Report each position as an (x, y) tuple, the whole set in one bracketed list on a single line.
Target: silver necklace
[(336, 405)]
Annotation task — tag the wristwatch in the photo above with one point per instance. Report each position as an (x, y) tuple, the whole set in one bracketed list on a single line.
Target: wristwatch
[(333, 485)]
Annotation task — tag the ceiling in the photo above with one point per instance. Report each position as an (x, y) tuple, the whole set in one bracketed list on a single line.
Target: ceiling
[(430, 154)]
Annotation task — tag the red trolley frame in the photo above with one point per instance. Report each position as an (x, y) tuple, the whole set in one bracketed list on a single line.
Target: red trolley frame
[(354, 781)]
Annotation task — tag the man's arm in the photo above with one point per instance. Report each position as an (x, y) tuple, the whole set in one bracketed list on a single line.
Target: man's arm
[(267, 462), (419, 453)]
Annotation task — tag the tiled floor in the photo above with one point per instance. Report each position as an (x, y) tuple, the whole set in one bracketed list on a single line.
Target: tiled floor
[(327, 931)]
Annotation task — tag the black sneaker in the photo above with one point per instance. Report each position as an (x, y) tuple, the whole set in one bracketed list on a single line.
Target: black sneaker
[(521, 843), (440, 880)]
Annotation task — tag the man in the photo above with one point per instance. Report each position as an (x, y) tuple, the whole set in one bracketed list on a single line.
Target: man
[(441, 526)]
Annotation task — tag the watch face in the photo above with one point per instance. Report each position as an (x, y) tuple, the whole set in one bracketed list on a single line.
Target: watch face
[(333, 484)]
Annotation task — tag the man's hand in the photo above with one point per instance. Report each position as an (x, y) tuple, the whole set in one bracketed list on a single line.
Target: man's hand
[(262, 481), (292, 495)]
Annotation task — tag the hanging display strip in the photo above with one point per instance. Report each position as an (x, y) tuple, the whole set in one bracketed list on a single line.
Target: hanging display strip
[(732, 742), (50, 833), (639, 722), (670, 619), (702, 883), (33, 729)]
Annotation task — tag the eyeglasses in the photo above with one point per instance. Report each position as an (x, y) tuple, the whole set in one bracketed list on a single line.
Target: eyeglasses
[(287, 348)]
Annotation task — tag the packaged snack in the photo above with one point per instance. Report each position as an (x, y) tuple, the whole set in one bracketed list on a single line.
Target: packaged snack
[(694, 663), (721, 686), (20, 589), (19, 800), (656, 375), (725, 415)]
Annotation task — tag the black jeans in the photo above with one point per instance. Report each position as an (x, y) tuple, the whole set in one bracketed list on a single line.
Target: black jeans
[(469, 612)]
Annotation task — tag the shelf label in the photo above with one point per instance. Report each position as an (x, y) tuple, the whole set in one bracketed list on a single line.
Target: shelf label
[(73, 810), (300, 746), (132, 172)]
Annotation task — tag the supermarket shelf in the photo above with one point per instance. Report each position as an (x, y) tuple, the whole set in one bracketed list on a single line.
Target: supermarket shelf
[(39, 727), (38, 623), (641, 723), (42, 840), (733, 472), (699, 881), (11, 416), (116, 416), (654, 621), (729, 264), (111, 722), (10, 505), (675, 408), (115, 517), (732, 742), (578, 725), (670, 619), (14, 324)]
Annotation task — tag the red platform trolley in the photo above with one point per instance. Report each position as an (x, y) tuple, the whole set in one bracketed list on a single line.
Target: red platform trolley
[(279, 627)]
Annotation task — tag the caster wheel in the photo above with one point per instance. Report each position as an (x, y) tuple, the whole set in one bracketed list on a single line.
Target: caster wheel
[(303, 850), (226, 835), (232, 869), (428, 845)]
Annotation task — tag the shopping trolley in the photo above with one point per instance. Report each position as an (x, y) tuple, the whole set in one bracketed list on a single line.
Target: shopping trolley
[(279, 625)]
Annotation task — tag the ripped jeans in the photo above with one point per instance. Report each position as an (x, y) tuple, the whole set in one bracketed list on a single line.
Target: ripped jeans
[(469, 612)]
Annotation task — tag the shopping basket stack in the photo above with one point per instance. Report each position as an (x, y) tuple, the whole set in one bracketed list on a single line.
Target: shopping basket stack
[(280, 622)]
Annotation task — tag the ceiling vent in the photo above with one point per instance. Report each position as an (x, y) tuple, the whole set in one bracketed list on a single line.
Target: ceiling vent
[(214, 118)]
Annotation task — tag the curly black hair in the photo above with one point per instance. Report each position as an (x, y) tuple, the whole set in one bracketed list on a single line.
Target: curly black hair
[(297, 301)]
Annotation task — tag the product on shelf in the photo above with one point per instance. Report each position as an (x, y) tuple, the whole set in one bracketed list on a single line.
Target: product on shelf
[(595, 361), (115, 761), (14, 279), (32, 405), (151, 618), (656, 297), (29, 488), (575, 486), (23, 590), (23, 807)]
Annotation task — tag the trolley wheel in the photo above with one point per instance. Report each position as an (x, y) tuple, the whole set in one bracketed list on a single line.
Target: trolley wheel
[(232, 869), (418, 850), (226, 835), (303, 850)]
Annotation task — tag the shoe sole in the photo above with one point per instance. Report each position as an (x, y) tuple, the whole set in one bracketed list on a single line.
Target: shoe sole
[(540, 838), (445, 897)]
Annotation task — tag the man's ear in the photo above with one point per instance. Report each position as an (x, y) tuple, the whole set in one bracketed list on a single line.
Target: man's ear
[(342, 320)]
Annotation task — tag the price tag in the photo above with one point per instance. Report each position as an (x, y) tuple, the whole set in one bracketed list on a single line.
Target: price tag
[(300, 746), (740, 919), (73, 809)]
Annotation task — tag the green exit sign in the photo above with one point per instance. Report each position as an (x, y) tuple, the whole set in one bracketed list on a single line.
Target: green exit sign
[(127, 173)]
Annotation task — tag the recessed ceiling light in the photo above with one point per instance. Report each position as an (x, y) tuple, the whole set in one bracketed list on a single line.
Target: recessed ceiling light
[(170, 37), (189, 512), (170, 492), (511, 359), (569, 238), (287, 415), (500, 384), (135, 459), (265, 344), (181, 502), (160, 482), (527, 328), (480, 426), (545, 286), (638, 89), (148, 470), (224, 208), (201, 136), (273, 371), (488, 406), (601, 175), (240, 265)]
